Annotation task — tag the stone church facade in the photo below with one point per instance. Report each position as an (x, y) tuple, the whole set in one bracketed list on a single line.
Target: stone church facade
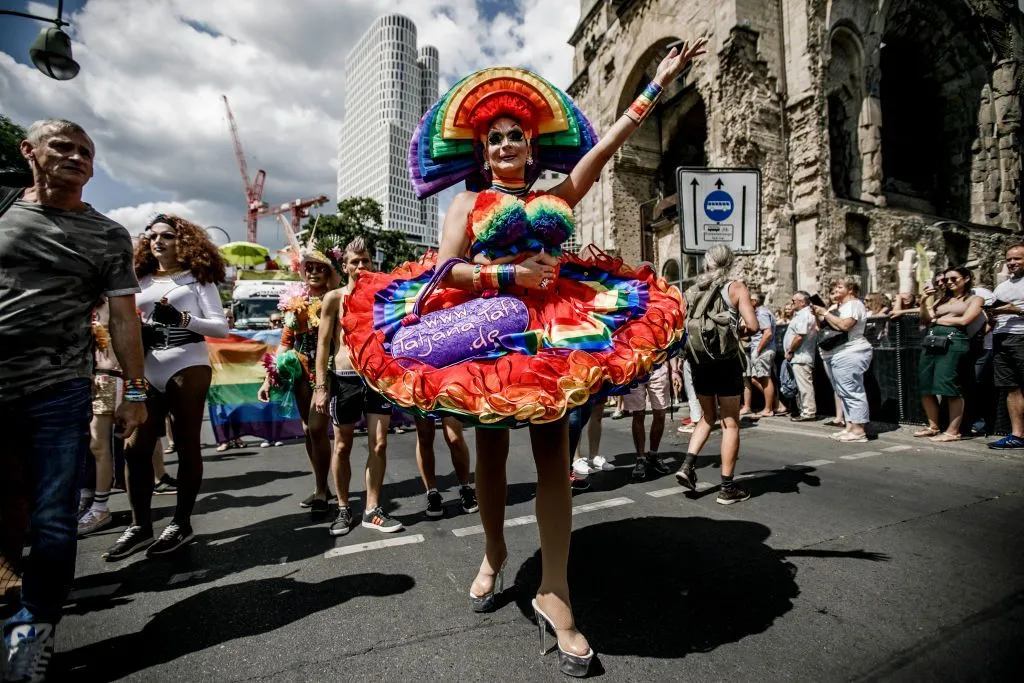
[(887, 132)]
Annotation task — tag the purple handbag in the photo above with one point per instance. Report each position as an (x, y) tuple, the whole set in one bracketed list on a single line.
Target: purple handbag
[(452, 335)]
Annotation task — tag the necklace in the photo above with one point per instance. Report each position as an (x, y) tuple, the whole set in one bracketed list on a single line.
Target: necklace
[(517, 188)]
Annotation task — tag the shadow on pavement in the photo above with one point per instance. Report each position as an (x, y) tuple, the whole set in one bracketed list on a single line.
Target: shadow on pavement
[(249, 480), (216, 616), (211, 557), (215, 502), (701, 583)]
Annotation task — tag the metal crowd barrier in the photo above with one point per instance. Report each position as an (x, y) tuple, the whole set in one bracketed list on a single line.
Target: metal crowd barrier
[(891, 381)]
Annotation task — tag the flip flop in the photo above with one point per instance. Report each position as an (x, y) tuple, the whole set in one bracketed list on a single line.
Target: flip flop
[(927, 432)]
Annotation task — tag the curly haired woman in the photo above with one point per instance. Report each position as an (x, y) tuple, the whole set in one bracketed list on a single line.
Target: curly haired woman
[(178, 269)]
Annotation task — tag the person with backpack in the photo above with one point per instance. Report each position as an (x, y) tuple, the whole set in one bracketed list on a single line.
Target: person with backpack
[(718, 313)]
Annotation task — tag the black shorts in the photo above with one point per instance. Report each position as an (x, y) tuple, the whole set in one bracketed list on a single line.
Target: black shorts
[(351, 399), (717, 377), (1008, 360)]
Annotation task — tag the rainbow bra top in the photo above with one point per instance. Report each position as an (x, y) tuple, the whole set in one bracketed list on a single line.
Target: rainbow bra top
[(502, 224)]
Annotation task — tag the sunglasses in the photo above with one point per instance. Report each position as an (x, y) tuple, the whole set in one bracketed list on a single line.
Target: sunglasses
[(951, 280), (312, 269), (514, 136)]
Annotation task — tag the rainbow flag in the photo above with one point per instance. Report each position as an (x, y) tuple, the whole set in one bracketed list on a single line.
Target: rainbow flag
[(237, 375)]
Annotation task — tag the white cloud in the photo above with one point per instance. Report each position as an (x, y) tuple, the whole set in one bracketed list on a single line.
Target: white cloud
[(153, 72)]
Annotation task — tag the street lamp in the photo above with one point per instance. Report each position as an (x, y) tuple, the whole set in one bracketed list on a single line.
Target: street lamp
[(51, 50)]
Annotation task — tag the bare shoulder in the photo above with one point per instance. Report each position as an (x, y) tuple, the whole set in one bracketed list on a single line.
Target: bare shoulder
[(463, 202), (737, 290)]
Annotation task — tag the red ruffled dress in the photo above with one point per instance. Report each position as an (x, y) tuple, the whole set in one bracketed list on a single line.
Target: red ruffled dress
[(600, 328)]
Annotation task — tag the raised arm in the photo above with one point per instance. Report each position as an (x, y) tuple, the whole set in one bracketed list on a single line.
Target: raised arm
[(586, 172)]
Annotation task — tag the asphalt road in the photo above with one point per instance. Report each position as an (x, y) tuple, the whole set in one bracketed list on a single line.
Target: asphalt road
[(892, 560)]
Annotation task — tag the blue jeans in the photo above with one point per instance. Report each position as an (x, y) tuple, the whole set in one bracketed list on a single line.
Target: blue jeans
[(49, 432), (578, 419), (847, 373)]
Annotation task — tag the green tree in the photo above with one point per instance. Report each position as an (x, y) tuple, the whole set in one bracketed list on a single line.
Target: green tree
[(361, 217), (11, 135)]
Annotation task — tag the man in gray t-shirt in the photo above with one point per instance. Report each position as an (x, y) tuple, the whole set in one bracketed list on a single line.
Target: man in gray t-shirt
[(58, 256), (1008, 346)]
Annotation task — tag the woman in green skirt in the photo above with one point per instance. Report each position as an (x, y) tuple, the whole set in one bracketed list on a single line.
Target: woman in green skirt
[(946, 359)]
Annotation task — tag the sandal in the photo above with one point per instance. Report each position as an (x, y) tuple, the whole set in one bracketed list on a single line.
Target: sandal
[(945, 437), (834, 422), (926, 432)]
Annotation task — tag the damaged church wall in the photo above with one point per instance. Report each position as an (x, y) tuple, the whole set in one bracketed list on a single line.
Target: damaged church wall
[(801, 89)]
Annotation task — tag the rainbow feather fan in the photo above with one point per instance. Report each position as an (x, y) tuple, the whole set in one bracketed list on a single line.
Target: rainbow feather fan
[(444, 150)]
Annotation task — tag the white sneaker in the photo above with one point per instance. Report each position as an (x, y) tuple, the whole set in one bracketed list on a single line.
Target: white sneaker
[(265, 444), (94, 520), (581, 468), (29, 649), (279, 443), (601, 463)]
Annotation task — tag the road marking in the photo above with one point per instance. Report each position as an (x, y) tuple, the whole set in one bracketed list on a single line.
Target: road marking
[(97, 592), (373, 545), (532, 519), (813, 463), (181, 578), (897, 449), (224, 541), (601, 504), (858, 456), (676, 490)]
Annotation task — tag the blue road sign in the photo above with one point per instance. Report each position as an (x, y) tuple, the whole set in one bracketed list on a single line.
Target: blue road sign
[(718, 205)]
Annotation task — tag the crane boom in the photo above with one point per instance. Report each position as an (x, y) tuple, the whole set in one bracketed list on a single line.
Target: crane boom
[(239, 154)]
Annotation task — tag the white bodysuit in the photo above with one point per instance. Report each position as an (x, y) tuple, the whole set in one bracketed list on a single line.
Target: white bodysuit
[(201, 302)]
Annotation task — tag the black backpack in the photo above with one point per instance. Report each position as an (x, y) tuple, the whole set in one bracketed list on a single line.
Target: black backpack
[(710, 329)]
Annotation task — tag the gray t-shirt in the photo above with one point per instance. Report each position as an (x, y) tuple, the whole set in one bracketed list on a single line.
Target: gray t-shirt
[(804, 324), (765, 321), (54, 267), (1012, 292)]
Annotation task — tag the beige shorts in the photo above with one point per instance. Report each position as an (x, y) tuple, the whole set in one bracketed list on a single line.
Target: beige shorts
[(106, 392), (656, 390)]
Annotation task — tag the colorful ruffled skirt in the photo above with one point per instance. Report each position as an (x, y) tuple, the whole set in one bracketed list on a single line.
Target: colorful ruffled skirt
[(600, 329)]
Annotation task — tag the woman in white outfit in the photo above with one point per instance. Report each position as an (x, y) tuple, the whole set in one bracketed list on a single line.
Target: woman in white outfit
[(178, 269), (848, 361)]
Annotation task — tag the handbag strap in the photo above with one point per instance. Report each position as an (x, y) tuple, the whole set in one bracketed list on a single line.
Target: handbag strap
[(439, 274)]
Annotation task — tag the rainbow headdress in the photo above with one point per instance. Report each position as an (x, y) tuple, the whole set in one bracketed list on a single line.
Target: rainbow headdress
[(445, 148)]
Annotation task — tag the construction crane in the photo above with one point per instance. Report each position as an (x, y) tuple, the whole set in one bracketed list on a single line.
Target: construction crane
[(253, 188), (299, 209)]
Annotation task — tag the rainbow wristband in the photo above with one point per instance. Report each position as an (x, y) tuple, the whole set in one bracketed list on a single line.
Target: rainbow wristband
[(489, 277), (477, 286), (506, 276), (136, 384), (644, 103)]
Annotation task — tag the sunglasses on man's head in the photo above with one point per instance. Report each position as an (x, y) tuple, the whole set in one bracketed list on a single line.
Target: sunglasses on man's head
[(515, 136)]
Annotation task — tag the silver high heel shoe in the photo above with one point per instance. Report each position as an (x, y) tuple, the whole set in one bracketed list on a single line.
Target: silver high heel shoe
[(485, 603), (576, 666)]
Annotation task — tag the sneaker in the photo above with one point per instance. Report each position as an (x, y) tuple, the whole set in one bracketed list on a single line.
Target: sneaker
[(577, 484), (279, 443), (342, 524), (435, 504), (581, 468), (468, 495), (619, 414), (264, 444), (687, 476), (687, 428), (94, 520), (601, 463), (657, 464), (1007, 442), (134, 539), (381, 521), (640, 469), (83, 506), (167, 486), (173, 537), (686, 421), (29, 649), (732, 494)]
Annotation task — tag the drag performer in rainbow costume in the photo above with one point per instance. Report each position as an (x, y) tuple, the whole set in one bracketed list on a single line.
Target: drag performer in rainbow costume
[(571, 327)]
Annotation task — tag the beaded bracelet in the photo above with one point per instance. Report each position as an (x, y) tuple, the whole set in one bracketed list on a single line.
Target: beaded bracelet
[(643, 105), (477, 286), (135, 390)]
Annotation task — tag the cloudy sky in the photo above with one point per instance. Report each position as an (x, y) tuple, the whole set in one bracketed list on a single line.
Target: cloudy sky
[(153, 72)]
